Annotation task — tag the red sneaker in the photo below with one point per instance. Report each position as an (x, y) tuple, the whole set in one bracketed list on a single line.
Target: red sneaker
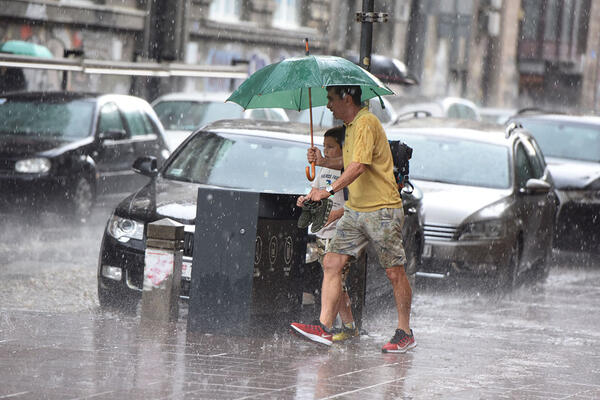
[(400, 343), (316, 332)]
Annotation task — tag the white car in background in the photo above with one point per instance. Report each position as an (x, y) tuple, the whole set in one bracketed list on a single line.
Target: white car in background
[(183, 113), (323, 118), (447, 107)]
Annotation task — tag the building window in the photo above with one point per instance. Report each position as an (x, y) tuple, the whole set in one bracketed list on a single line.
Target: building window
[(225, 10), (287, 14)]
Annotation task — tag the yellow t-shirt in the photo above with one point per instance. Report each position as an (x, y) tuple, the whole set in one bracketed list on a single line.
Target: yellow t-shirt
[(366, 143)]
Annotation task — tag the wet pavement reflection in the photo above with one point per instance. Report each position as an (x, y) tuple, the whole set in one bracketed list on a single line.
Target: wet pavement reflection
[(541, 341)]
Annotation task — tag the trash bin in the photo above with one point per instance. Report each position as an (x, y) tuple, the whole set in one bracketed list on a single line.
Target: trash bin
[(248, 252)]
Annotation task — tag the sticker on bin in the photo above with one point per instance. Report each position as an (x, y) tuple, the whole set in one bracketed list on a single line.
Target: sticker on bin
[(186, 270)]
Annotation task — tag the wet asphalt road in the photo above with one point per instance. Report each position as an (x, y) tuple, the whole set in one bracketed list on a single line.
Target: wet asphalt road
[(540, 342)]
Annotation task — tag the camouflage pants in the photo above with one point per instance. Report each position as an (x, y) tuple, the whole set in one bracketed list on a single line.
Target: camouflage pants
[(382, 228)]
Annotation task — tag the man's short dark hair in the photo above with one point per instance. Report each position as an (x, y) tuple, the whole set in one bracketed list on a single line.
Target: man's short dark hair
[(338, 133), (354, 91)]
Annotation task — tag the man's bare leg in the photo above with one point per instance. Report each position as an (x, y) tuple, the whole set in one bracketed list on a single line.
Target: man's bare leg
[(331, 289), (402, 295)]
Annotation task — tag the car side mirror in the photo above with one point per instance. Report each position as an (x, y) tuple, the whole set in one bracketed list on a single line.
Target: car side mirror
[(536, 186), (146, 165), (113, 134)]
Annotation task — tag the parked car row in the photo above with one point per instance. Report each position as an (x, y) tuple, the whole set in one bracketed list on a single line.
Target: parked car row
[(64, 150), (485, 205)]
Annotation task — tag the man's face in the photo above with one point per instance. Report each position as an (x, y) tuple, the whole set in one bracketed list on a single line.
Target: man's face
[(335, 104)]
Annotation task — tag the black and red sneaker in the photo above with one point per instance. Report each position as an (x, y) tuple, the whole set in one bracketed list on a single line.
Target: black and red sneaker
[(400, 343), (315, 332)]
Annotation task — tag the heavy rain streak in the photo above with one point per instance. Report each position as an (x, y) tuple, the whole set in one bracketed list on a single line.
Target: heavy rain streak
[(299, 199)]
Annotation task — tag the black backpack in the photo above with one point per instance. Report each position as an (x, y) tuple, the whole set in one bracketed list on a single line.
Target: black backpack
[(401, 154)]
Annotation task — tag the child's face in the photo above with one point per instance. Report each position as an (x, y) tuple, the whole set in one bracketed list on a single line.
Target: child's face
[(331, 148)]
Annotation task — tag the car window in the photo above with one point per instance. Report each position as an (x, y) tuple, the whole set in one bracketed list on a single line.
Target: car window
[(468, 113), (569, 140), (259, 114), (456, 161), (534, 161), (322, 117), (523, 167), (110, 119), (245, 162), (375, 108), (191, 115), (454, 111), (275, 116), (68, 120), (138, 122)]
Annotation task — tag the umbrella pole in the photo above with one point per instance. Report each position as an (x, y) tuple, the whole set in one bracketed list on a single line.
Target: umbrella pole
[(310, 171)]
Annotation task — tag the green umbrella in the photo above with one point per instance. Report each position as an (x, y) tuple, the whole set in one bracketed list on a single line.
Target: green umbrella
[(25, 49), (285, 84), (299, 83)]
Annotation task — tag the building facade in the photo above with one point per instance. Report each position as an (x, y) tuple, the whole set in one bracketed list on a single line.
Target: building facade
[(501, 53)]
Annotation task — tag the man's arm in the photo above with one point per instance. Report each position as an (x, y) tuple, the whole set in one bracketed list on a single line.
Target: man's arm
[(314, 154), (354, 170)]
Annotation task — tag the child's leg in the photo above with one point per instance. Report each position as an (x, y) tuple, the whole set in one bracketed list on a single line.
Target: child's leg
[(344, 304)]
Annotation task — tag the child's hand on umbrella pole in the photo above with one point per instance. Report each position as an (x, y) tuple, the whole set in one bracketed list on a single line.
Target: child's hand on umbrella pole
[(314, 155)]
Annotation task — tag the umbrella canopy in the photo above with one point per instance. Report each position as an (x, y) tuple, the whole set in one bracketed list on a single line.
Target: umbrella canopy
[(25, 49), (285, 84)]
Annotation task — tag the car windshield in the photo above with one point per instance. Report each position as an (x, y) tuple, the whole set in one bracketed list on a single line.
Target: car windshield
[(573, 141), (191, 115), (457, 161), (243, 162), (68, 120)]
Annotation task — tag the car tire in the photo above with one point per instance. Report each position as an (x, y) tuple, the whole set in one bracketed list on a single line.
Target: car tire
[(116, 300), (507, 278), (82, 198)]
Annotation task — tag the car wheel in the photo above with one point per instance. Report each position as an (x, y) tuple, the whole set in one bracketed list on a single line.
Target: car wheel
[(111, 299), (82, 198), (507, 278)]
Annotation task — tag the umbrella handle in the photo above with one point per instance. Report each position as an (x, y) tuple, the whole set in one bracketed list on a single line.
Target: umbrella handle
[(310, 172)]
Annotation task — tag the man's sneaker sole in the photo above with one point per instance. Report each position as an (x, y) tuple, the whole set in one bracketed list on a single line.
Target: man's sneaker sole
[(314, 338), (402, 350)]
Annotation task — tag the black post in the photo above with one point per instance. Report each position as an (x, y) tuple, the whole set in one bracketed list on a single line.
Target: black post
[(366, 36)]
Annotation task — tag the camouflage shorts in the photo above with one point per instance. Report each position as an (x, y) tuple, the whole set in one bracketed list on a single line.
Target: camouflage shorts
[(322, 250), (382, 228)]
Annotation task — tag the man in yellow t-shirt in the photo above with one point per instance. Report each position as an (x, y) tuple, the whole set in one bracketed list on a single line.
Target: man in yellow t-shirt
[(373, 214)]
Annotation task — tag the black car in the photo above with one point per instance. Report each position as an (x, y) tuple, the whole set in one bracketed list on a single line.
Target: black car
[(62, 150), (261, 156), (571, 145)]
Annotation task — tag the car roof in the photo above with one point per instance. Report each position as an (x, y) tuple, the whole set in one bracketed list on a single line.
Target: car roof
[(590, 119), (193, 96), (273, 129), (59, 96), (453, 128), (50, 96)]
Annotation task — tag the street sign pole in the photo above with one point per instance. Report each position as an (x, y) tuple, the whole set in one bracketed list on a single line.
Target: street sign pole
[(366, 35)]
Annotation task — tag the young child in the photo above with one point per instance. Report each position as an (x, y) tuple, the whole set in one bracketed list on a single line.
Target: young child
[(332, 147)]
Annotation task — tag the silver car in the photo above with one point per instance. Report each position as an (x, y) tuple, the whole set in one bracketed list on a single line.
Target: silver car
[(487, 196)]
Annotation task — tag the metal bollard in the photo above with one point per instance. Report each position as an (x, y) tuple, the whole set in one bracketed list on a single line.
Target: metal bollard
[(162, 270)]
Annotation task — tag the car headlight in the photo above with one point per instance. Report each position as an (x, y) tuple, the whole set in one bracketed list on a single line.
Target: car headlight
[(33, 166), (492, 229), (312, 253), (124, 229)]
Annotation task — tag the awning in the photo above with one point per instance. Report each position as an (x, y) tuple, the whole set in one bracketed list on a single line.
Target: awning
[(25, 49)]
